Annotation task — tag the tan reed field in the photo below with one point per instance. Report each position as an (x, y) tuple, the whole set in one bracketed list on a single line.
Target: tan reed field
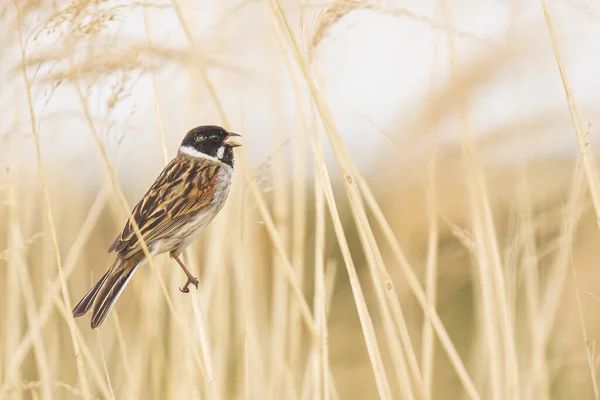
[(427, 269)]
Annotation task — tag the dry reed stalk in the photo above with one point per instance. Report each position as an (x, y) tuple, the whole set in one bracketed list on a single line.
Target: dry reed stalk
[(538, 381), (340, 8), (587, 157), (367, 238), (319, 349), (276, 239), (106, 372), (367, 324), (322, 368), (365, 319), (42, 174), (280, 339), (589, 165), (205, 350), (123, 348), (299, 215), (16, 263), (246, 306), (589, 352), (418, 292), (550, 297), (163, 139), (86, 354), (493, 283), (36, 385), (11, 312), (428, 339), (431, 273), (43, 314), (486, 281)]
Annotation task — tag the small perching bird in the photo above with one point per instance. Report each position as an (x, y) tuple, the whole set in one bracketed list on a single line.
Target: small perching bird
[(184, 199)]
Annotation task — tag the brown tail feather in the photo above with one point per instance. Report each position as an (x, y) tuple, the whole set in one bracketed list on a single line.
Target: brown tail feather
[(86, 302), (111, 290)]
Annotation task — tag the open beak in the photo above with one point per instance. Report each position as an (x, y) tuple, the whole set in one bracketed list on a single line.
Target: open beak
[(233, 140)]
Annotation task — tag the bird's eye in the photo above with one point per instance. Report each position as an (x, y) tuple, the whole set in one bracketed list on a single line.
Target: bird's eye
[(214, 138)]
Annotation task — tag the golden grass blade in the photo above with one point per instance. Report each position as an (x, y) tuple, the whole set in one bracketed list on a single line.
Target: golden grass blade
[(588, 160), (205, 349), (290, 274), (367, 238), (320, 352), (415, 286), (493, 287), (431, 269), (584, 332), (105, 367), (361, 306), (299, 217), (365, 319), (550, 300), (428, 339), (48, 208), (123, 348), (589, 166), (163, 139), (538, 381), (199, 60), (281, 216), (17, 263), (86, 354), (43, 314), (12, 314)]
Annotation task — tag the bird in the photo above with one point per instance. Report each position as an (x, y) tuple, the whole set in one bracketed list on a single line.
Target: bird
[(185, 197)]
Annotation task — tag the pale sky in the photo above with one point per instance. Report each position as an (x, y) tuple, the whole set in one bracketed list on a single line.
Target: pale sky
[(374, 68)]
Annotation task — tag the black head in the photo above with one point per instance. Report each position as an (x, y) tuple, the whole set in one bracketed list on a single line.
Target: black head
[(210, 141)]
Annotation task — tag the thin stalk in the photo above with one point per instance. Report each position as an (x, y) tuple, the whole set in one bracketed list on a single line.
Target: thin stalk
[(54, 236), (321, 370), (493, 287), (281, 216), (299, 208), (588, 351), (587, 157), (364, 317), (163, 139), (344, 161), (45, 310), (288, 270), (431, 272), (16, 259), (538, 380)]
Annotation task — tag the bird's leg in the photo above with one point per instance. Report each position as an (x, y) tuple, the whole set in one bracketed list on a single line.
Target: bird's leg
[(191, 279)]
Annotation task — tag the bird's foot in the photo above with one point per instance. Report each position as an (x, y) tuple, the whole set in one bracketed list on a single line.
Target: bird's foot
[(191, 280)]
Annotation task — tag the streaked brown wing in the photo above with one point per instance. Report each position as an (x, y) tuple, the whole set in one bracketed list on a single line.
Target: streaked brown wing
[(182, 189)]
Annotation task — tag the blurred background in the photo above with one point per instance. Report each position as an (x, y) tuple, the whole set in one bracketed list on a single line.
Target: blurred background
[(413, 214)]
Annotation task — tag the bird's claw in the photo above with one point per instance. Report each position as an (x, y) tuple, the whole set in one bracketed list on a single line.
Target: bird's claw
[(185, 289), (191, 280)]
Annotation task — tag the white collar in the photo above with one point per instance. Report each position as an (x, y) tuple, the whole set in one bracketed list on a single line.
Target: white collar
[(190, 151)]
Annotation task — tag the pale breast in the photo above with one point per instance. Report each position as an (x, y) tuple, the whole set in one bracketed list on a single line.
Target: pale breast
[(195, 226)]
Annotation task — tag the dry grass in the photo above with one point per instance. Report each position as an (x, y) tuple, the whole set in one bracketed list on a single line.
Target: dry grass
[(436, 274)]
